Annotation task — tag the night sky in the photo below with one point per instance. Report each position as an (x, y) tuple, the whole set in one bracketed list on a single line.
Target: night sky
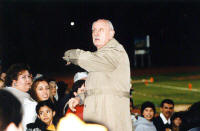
[(38, 32)]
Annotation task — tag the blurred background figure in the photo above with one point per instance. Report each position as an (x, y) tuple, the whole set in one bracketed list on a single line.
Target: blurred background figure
[(176, 121), (145, 123), (53, 90), (191, 118), (3, 75), (10, 112), (2, 79), (1, 83), (62, 89)]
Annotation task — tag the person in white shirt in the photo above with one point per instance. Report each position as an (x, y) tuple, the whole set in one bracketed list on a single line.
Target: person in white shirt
[(163, 121), (18, 81)]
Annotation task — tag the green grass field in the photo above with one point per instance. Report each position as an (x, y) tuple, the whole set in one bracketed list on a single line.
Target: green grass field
[(172, 86)]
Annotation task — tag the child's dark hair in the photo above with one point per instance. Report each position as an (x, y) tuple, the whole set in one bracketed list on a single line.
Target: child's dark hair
[(47, 103), (146, 105), (77, 85)]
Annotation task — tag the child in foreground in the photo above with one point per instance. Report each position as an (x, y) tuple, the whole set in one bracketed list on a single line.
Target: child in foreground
[(45, 114)]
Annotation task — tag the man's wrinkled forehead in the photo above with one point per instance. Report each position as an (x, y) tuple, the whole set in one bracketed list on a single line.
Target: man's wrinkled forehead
[(100, 23)]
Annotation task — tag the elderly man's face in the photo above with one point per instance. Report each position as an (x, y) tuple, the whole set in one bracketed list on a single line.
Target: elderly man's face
[(101, 33)]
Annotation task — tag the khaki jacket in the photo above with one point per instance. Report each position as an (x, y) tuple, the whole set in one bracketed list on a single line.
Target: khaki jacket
[(107, 85)]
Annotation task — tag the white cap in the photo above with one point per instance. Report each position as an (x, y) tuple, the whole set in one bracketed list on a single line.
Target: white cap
[(80, 75), (37, 76)]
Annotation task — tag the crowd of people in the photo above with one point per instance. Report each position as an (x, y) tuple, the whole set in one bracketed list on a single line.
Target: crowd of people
[(42, 107), (38, 96), (167, 120), (99, 95)]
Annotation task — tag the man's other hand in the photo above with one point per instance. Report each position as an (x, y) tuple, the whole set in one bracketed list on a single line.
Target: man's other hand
[(73, 102)]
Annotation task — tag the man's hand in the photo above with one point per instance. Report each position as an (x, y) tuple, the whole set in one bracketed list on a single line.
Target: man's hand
[(73, 102), (68, 63), (168, 129), (66, 57)]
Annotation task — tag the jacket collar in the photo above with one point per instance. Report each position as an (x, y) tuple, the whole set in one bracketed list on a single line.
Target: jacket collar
[(112, 43), (165, 121)]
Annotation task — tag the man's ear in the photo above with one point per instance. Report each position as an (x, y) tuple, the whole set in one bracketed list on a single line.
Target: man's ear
[(112, 33), (13, 127)]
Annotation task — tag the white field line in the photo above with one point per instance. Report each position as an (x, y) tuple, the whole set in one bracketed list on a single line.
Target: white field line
[(173, 87)]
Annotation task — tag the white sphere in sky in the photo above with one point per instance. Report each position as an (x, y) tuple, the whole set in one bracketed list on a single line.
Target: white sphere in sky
[(72, 23)]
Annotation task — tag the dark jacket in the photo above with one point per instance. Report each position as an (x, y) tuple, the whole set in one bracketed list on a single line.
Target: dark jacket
[(37, 126), (195, 129), (160, 126)]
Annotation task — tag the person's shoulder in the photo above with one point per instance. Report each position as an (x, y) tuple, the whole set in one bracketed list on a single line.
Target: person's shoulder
[(8, 88), (115, 43), (30, 101), (31, 126), (157, 119), (195, 129)]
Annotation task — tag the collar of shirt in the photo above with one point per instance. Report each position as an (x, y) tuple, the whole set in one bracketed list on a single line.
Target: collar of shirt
[(165, 121)]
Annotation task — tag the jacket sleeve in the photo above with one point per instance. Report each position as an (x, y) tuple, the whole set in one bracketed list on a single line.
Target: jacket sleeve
[(103, 60)]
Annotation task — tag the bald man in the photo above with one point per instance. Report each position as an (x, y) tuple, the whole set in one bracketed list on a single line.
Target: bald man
[(106, 100)]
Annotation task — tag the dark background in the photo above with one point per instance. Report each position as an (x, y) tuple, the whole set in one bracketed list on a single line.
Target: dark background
[(38, 32)]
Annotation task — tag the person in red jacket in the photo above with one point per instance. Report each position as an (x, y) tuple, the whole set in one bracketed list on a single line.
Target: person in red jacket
[(77, 88)]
